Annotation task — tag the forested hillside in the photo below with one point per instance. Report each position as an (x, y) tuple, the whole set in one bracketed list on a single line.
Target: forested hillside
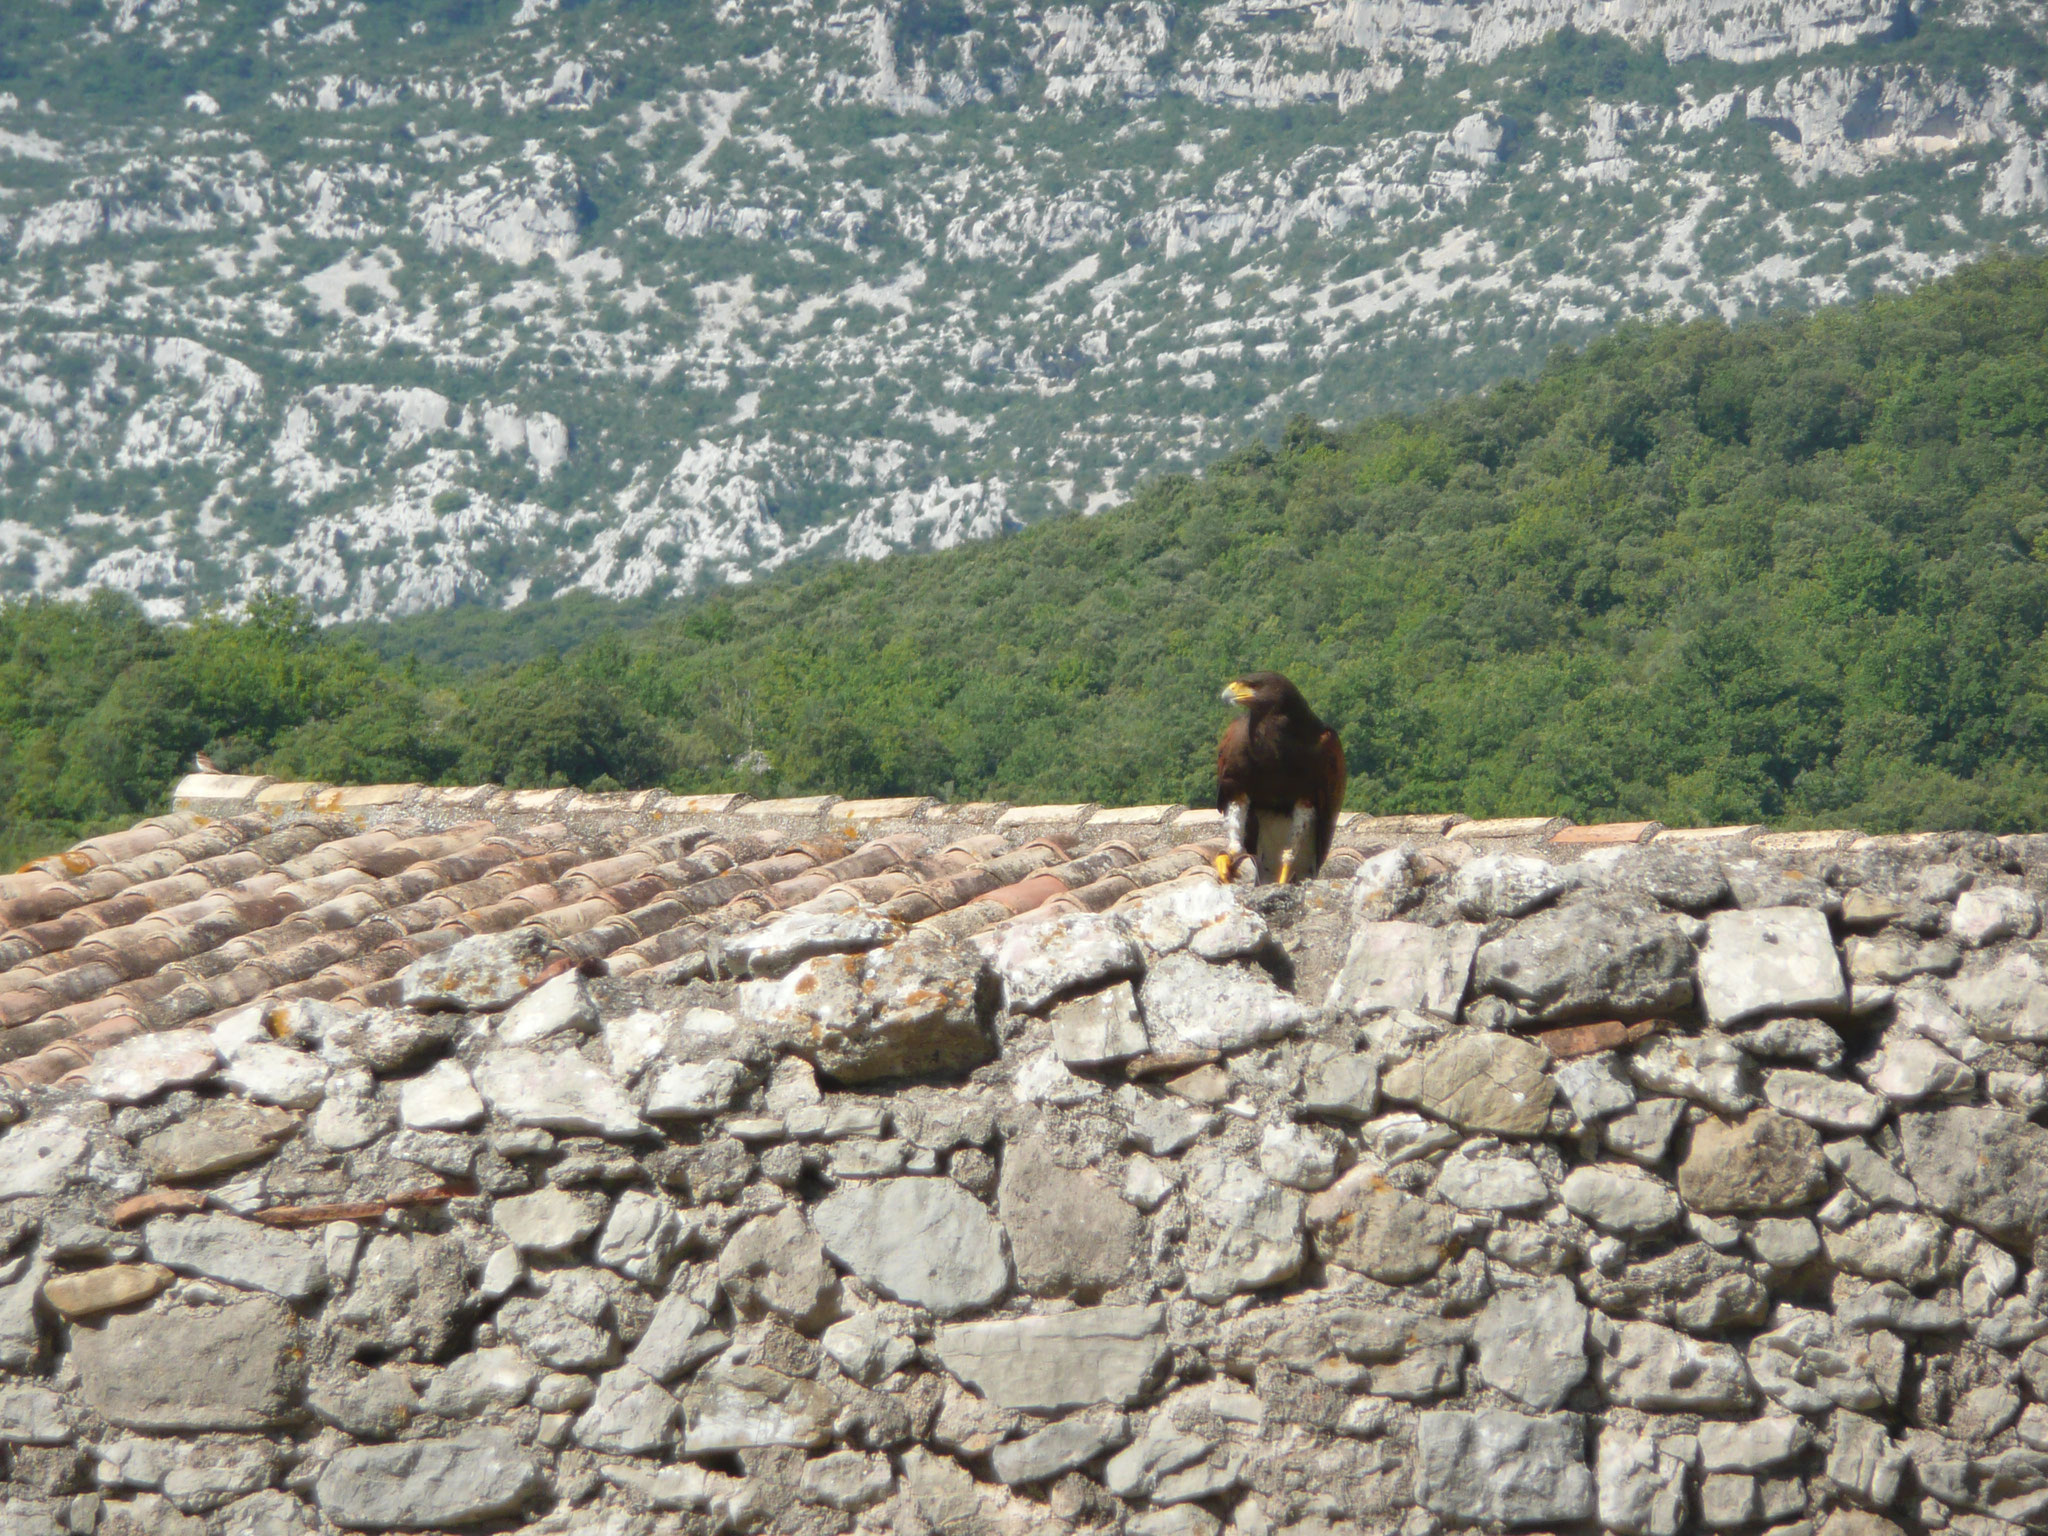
[(1794, 572)]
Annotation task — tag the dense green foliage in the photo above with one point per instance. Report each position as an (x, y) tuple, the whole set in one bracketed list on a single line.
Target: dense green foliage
[(1793, 572)]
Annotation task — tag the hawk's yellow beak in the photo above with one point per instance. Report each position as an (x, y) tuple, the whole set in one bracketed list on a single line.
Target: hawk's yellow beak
[(1236, 693)]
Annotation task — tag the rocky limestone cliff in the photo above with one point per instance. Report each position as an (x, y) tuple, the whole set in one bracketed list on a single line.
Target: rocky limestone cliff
[(1697, 1186), (276, 292)]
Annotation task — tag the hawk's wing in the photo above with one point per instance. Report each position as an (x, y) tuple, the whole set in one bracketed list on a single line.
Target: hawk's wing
[(1234, 763), (1330, 776)]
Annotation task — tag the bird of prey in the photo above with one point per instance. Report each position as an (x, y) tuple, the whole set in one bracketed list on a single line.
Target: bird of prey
[(204, 763), (1279, 777)]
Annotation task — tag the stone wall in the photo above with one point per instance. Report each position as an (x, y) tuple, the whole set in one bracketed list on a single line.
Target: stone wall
[(1651, 1189)]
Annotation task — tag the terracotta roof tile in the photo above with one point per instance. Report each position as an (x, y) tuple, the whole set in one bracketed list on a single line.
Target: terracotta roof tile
[(254, 890)]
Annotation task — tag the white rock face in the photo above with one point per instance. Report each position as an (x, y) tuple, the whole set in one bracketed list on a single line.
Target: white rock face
[(508, 257)]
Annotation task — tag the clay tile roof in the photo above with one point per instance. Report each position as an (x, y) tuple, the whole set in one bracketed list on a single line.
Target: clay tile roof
[(251, 890)]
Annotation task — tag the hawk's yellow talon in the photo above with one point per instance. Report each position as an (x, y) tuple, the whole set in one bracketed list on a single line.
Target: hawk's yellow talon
[(1226, 865), (1287, 867)]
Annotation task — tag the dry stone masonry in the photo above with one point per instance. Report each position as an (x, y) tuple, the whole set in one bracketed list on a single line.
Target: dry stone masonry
[(1509, 1179)]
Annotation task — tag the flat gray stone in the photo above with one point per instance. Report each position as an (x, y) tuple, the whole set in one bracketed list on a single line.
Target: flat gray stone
[(442, 1098), (1643, 1365), (1405, 965), (479, 974), (1244, 1230), (1498, 885), (1299, 1156), (266, 1072), (1531, 1343), (679, 1338), (483, 1381), (1070, 1232), (1985, 914), (1641, 1485), (1344, 1085), (422, 1485), (1600, 958), (380, 1040), (1099, 1028), (1037, 962), (2004, 994), (630, 1415), (1055, 1361), (1752, 1445), (1192, 1005), (1784, 1242), (1059, 1447), (1197, 915), (1811, 1041), (778, 944), (694, 1090), (634, 1039), (560, 1005), (374, 1406), (242, 1253), (1163, 1449), (404, 1295), (34, 1416), (1771, 960), (869, 1346), (1865, 1463), (1619, 1200), (1707, 1069), (1643, 1135), (1908, 1069), (1478, 1082), (641, 1239), (1491, 1183), (1499, 1468), (549, 1220), (41, 1157), (557, 1091), (1595, 1086), (1161, 1123), (1905, 1246), (921, 1240), (351, 1116), (1982, 1167), (138, 1069), (178, 1369), (1892, 957), (1828, 1102), (554, 1336), (918, 1008), (745, 1407), (847, 1480)]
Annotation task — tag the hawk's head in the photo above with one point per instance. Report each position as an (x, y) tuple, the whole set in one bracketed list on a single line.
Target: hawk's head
[(1261, 691)]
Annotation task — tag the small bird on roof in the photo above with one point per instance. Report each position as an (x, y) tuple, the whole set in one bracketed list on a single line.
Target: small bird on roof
[(1280, 776), (204, 763)]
